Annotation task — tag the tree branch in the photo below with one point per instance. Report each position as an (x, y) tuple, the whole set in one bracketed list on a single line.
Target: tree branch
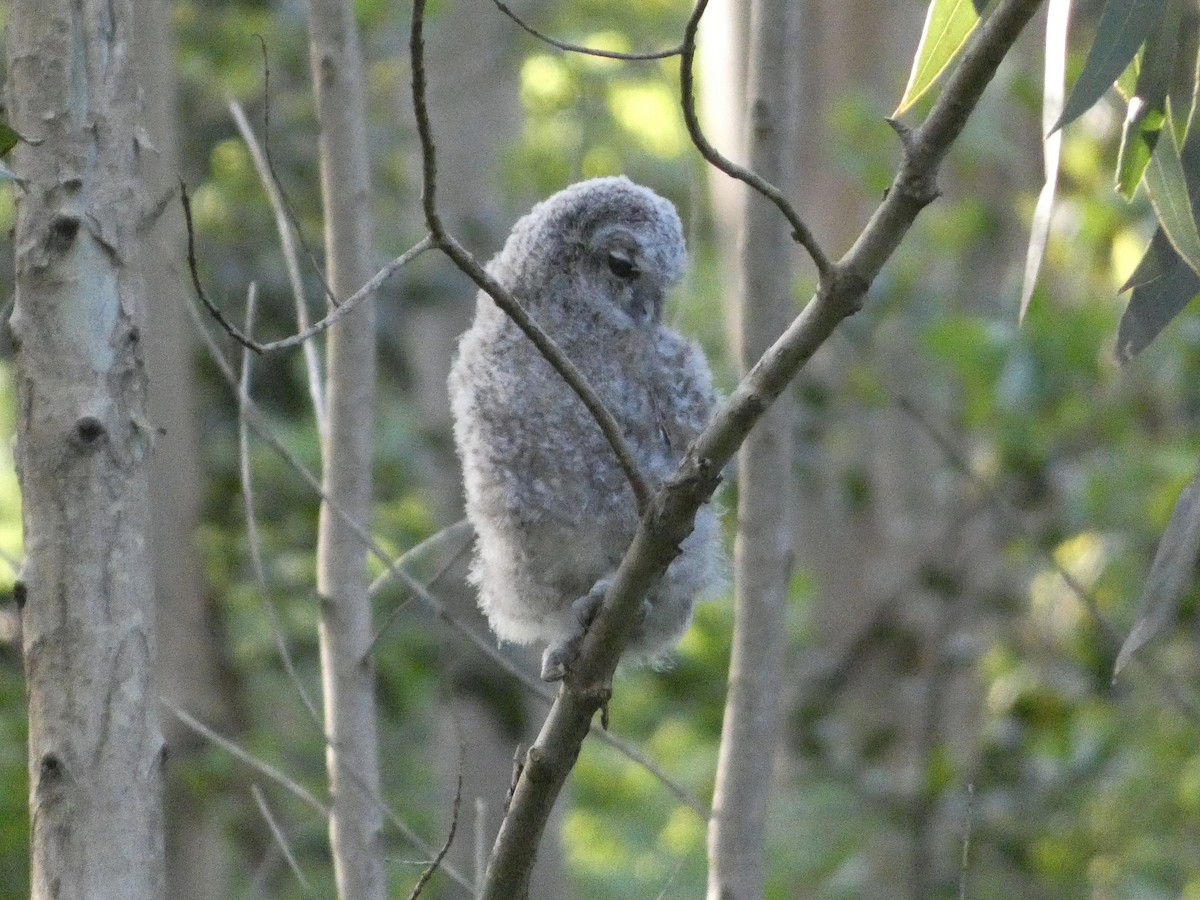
[(504, 298), (396, 569), (672, 510), (340, 310), (586, 51), (801, 233)]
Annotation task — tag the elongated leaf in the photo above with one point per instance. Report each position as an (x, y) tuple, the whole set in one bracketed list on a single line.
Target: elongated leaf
[(1123, 27), (1170, 574), (948, 24), (1147, 100), (1168, 190), (1139, 135), (1162, 284), (1057, 20)]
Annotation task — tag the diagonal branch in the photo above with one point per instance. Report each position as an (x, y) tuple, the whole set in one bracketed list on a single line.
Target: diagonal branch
[(671, 513), (504, 298)]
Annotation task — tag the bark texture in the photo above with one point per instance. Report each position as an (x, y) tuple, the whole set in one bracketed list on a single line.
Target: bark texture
[(348, 676), (83, 445), (766, 489)]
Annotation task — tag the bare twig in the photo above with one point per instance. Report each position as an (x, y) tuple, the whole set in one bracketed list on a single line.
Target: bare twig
[(504, 298), (670, 515), (341, 309), (262, 164), (441, 854), (280, 839), (303, 793), (801, 233), (587, 51), (460, 531), (395, 570), (252, 536), (216, 313), (964, 862), (275, 180), (248, 758)]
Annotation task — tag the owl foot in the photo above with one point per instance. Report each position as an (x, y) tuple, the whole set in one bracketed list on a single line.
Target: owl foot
[(560, 655)]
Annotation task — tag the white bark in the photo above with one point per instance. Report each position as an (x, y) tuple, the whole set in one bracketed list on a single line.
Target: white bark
[(345, 631), (83, 442), (763, 552)]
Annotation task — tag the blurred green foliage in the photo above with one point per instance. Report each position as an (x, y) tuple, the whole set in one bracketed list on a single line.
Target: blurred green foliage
[(1079, 787)]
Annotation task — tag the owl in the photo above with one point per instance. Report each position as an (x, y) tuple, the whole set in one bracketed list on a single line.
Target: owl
[(552, 509)]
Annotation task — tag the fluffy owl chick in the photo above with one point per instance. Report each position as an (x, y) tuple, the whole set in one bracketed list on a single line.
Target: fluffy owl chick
[(550, 504)]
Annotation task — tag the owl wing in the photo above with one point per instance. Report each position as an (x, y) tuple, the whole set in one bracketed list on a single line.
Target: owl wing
[(686, 395)]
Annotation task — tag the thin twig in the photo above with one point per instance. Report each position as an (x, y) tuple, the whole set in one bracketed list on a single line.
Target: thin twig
[(395, 569), (248, 758), (504, 298), (441, 855), (216, 313), (341, 309), (262, 165), (280, 839), (253, 539), (288, 206), (801, 233), (587, 51), (479, 851), (964, 863), (451, 531)]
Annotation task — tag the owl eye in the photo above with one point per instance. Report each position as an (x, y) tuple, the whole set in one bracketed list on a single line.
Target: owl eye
[(622, 266)]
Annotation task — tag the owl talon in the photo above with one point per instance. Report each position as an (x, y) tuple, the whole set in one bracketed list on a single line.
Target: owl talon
[(559, 656)]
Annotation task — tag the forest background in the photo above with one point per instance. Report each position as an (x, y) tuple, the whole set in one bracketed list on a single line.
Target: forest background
[(951, 718)]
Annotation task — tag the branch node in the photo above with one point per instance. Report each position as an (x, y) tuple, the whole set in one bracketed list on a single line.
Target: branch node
[(903, 131)]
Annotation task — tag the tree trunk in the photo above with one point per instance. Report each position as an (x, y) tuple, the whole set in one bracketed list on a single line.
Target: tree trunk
[(191, 673), (345, 631), (763, 552), (83, 444)]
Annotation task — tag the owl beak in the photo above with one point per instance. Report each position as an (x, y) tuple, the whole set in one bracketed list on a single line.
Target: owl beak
[(645, 305)]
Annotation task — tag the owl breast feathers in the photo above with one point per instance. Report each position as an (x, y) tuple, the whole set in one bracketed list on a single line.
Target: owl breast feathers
[(551, 506)]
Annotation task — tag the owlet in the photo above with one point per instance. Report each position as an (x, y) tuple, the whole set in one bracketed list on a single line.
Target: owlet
[(551, 506)]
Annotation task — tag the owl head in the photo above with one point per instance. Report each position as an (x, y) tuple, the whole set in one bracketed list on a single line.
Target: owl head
[(605, 247)]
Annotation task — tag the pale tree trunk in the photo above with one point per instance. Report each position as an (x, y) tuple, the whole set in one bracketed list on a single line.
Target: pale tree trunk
[(348, 680), (190, 673), (864, 558), (763, 553), (83, 444)]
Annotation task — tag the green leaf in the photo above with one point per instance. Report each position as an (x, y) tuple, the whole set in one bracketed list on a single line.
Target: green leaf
[(1139, 135), (1163, 284), (1170, 574), (1123, 27), (948, 24), (1168, 190), (1057, 20)]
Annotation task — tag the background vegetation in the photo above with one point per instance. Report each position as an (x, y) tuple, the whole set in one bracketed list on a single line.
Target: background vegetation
[(970, 704)]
